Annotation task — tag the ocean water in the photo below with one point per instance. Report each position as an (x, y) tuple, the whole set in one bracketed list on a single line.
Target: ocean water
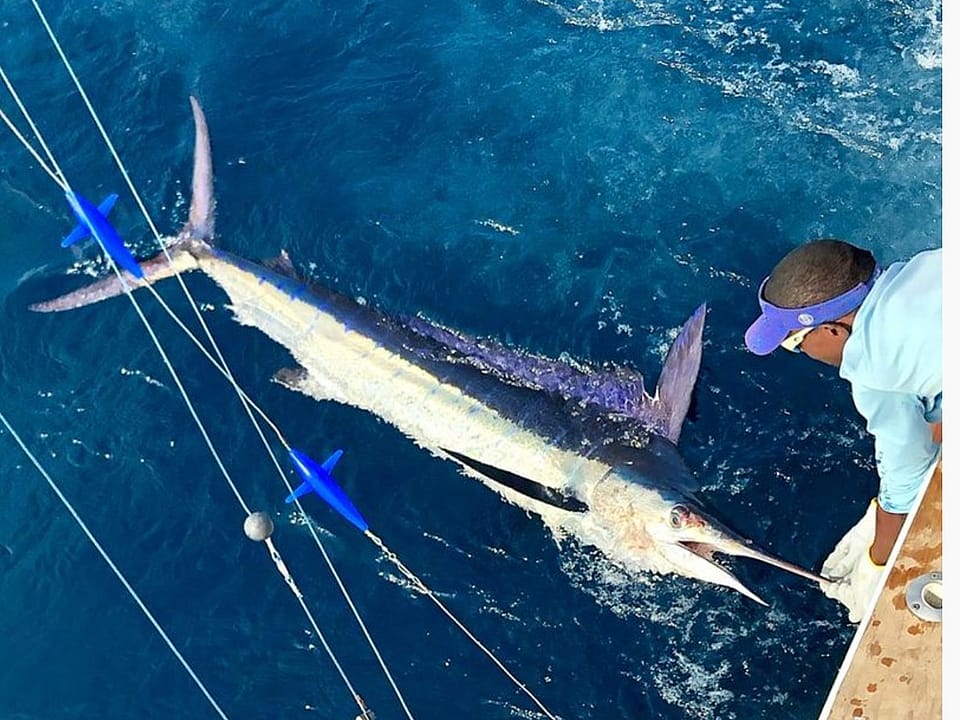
[(569, 177)]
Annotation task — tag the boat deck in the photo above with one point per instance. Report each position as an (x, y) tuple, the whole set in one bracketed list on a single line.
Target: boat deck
[(894, 667)]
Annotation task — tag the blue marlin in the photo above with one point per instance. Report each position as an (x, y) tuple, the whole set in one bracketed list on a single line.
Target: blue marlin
[(591, 452)]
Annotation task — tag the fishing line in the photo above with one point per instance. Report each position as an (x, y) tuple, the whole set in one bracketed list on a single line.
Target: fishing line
[(420, 586), (223, 367), (55, 176), (275, 555), (378, 542), (387, 553), (113, 566), (203, 431)]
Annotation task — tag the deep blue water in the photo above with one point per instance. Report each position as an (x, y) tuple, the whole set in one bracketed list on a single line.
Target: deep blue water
[(566, 176)]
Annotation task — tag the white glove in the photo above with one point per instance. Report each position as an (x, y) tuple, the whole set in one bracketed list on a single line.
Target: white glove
[(850, 565)]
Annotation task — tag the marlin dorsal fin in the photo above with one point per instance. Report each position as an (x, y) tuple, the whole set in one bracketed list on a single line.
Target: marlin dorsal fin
[(679, 374)]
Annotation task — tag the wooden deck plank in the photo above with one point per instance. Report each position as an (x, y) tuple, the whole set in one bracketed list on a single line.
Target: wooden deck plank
[(897, 670)]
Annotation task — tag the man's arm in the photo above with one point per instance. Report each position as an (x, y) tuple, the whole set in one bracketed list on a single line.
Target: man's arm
[(888, 528), (906, 455), (888, 523)]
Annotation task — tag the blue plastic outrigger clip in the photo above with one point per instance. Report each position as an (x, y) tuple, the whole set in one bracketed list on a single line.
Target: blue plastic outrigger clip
[(93, 221), (317, 479)]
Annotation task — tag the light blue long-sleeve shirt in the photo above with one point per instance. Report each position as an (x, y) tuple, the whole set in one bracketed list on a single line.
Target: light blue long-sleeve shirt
[(894, 363)]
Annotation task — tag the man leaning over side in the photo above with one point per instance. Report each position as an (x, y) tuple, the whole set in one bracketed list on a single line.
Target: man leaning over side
[(883, 329)]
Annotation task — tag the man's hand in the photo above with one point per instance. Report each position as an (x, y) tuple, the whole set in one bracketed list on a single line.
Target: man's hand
[(850, 565)]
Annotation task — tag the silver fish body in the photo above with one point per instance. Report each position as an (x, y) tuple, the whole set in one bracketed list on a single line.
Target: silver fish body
[(618, 484)]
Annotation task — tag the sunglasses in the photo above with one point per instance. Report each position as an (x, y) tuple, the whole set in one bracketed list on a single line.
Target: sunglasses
[(795, 340)]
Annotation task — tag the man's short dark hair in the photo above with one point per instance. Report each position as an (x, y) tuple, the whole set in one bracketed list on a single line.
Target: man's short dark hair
[(818, 271)]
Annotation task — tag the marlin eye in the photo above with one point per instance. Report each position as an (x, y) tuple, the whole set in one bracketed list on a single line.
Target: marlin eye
[(678, 514)]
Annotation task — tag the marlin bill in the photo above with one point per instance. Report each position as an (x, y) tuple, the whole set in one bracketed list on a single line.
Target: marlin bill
[(588, 450)]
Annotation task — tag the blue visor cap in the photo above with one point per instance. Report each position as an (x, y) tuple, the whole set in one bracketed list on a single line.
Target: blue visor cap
[(775, 322)]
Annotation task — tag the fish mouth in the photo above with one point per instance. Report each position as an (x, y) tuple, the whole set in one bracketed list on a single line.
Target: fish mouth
[(730, 546)]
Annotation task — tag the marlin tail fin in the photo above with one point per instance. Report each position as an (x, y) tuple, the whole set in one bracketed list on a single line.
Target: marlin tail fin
[(199, 228)]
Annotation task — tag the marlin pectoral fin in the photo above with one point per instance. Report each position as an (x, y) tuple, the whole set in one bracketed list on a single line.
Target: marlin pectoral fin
[(291, 378), (299, 380), (524, 486)]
